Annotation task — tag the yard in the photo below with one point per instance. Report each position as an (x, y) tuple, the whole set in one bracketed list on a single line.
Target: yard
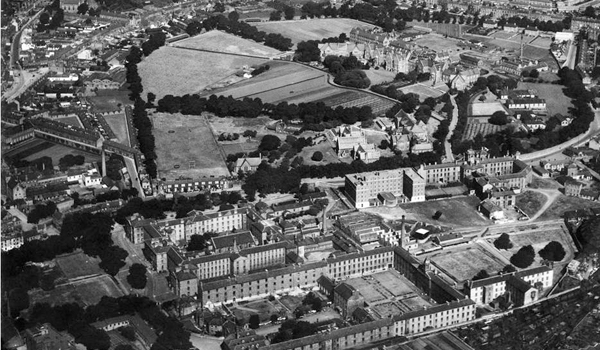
[(177, 71), (311, 29), (118, 124), (78, 265), (85, 293), (530, 202), (185, 146), (290, 302), (556, 101), (465, 262), (456, 212), (73, 120), (538, 182), (216, 40), (565, 203)]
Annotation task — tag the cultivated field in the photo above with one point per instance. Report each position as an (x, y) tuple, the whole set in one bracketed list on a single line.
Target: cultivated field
[(312, 29), (109, 100), (78, 265), (118, 124), (556, 101), (484, 129), (177, 71), (530, 202), (422, 90), (185, 147), (349, 98), (456, 212), (565, 203), (464, 263), (216, 40), (74, 121)]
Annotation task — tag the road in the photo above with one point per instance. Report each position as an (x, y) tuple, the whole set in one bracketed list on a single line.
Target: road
[(133, 174), (205, 342), (453, 122), (551, 195)]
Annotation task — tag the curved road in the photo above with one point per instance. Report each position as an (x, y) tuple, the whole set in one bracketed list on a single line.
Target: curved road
[(551, 195)]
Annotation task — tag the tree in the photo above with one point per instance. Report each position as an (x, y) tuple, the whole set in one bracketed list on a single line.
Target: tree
[(589, 235), (275, 16), (233, 16), (503, 242), (509, 268), (269, 143), (317, 156), (18, 300), (385, 144), (553, 251), (83, 8), (113, 258), (44, 18), (289, 12), (307, 51), (524, 257), (199, 242), (534, 73), (498, 118), (137, 276), (274, 318), (481, 275), (254, 321)]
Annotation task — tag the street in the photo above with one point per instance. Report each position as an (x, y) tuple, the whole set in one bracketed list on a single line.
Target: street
[(205, 342)]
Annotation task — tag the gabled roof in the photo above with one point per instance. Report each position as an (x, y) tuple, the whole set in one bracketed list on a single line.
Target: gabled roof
[(345, 290)]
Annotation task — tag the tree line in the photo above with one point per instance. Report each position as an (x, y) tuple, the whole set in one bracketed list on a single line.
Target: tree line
[(141, 121), (232, 25), (315, 115)]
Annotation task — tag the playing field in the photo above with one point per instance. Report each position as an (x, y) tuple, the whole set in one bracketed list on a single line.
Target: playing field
[(485, 108), (465, 262), (78, 265), (422, 90), (109, 100), (556, 101), (185, 147), (216, 40), (118, 124), (177, 71), (311, 29)]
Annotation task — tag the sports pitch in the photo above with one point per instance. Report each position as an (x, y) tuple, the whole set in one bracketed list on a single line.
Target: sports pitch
[(186, 148)]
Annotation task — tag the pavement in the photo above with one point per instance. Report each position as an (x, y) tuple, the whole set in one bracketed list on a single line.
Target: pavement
[(133, 174), (453, 122)]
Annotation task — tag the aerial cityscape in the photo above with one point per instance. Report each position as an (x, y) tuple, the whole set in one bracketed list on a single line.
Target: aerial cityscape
[(300, 174)]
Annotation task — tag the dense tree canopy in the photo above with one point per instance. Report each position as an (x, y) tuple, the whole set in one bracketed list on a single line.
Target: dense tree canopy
[(553, 251), (503, 242), (524, 257), (137, 276)]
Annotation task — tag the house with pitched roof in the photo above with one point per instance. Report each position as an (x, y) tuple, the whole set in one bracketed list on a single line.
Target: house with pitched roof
[(247, 164)]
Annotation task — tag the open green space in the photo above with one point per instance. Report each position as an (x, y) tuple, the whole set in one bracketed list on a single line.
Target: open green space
[(530, 202), (456, 212), (216, 40), (78, 265), (109, 100), (465, 262), (556, 101), (565, 203), (118, 124)]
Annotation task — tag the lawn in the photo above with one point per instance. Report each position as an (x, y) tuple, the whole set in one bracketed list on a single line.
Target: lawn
[(185, 147), (118, 124), (311, 29), (265, 309), (465, 262), (456, 212), (380, 76), (538, 182), (58, 151), (564, 203), (530, 202), (556, 101), (177, 71), (239, 125), (216, 40), (74, 121), (78, 265), (291, 302), (84, 293)]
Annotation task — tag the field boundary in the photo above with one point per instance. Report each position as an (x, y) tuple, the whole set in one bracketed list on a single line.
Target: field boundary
[(226, 53), (212, 132), (282, 86)]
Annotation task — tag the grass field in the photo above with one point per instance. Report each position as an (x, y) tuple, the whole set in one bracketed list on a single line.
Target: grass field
[(456, 212), (118, 124), (380, 76), (216, 40), (484, 109), (185, 147), (108, 100), (58, 151), (465, 262), (239, 125), (530, 202), (312, 29), (78, 265), (74, 121), (556, 101), (422, 90), (291, 302), (85, 293), (440, 43), (538, 182), (177, 71), (564, 203)]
